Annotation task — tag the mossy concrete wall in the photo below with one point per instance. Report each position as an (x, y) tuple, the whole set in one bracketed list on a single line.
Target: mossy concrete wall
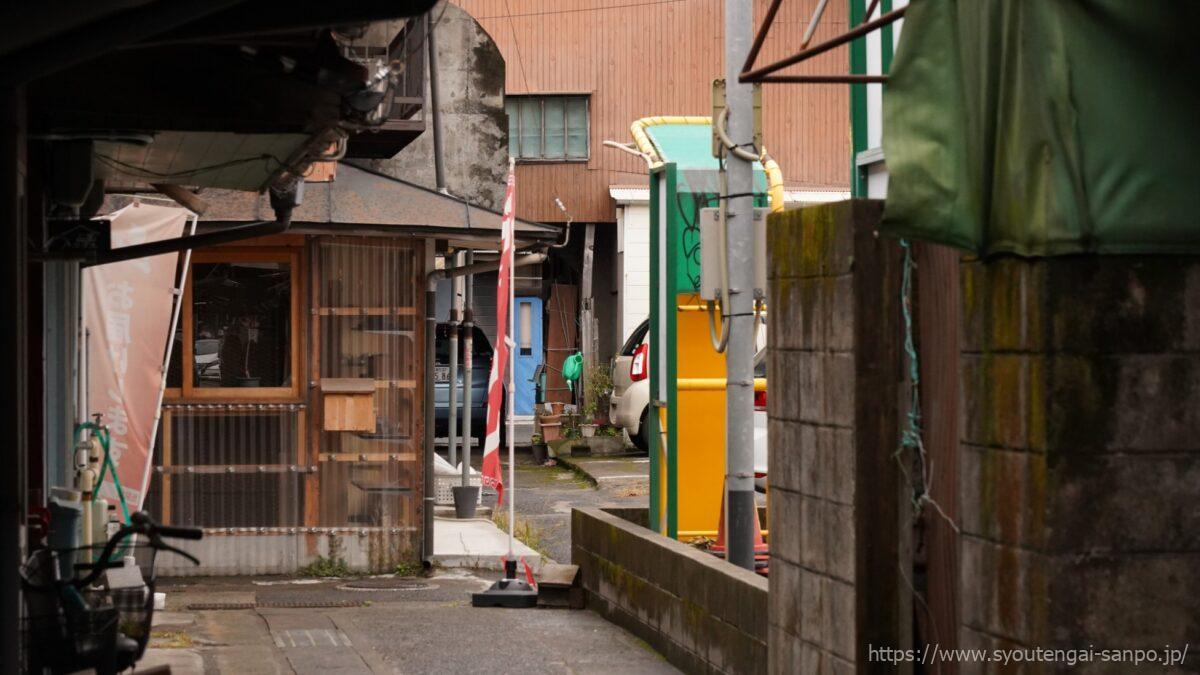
[(701, 613), (835, 370), (1080, 453)]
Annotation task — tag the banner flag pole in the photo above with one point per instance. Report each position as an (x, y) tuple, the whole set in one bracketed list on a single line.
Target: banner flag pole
[(509, 591)]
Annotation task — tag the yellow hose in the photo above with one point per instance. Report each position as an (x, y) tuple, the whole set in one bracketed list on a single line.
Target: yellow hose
[(642, 140), (774, 181), (646, 146)]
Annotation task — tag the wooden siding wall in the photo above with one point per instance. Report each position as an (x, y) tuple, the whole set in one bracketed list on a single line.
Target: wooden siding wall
[(659, 57)]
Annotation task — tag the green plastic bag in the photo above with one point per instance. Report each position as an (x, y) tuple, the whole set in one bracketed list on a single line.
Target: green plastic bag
[(572, 368)]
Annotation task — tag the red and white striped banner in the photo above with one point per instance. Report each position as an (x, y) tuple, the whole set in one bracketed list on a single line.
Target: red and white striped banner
[(491, 444)]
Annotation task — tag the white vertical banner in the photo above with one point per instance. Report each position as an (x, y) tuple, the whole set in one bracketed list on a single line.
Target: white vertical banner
[(127, 316)]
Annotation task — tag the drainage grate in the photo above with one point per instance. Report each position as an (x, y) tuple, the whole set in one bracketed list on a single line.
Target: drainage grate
[(310, 604)]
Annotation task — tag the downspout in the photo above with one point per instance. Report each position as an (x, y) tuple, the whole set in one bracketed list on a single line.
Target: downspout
[(431, 280), (468, 370), (435, 108)]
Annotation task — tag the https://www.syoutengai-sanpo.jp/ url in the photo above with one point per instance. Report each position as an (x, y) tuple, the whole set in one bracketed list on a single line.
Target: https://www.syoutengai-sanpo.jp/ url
[(1166, 656)]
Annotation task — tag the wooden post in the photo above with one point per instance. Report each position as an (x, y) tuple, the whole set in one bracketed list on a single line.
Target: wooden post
[(939, 317)]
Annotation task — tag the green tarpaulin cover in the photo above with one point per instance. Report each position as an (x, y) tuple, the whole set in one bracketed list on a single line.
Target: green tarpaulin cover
[(1046, 127)]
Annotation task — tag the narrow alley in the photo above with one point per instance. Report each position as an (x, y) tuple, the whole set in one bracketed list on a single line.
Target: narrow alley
[(746, 337), (364, 623)]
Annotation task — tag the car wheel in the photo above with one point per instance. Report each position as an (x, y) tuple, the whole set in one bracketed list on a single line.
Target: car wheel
[(642, 438)]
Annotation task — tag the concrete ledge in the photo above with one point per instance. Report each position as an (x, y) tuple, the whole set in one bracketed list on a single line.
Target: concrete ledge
[(703, 614)]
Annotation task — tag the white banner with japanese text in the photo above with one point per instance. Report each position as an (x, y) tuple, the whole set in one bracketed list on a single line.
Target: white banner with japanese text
[(127, 315)]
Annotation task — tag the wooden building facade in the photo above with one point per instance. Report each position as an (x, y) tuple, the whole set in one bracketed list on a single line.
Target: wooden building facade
[(293, 425), (633, 60)]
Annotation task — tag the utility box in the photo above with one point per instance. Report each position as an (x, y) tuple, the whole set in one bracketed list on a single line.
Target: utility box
[(710, 252), (348, 403)]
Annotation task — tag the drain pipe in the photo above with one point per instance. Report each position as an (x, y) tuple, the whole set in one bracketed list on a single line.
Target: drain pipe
[(430, 356), (468, 368), (435, 108)]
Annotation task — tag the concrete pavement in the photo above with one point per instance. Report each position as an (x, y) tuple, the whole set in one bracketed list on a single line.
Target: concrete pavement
[(477, 544), (399, 625)]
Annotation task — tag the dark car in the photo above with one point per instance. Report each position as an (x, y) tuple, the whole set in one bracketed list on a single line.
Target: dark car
[(482, 365)]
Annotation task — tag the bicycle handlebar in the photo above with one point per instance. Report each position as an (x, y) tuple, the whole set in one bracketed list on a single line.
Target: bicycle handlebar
[(141, 523)]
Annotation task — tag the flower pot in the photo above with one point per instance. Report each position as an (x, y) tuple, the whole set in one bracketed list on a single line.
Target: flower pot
[(588, 430), (539, 453), (466, 498), (249, 381)]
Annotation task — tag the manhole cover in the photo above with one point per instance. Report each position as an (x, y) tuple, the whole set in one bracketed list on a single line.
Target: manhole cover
[(387, 584)]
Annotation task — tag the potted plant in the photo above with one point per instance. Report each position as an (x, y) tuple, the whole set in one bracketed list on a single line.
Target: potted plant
[(588, 426), (599, 389), (550, 423), (538, 445)]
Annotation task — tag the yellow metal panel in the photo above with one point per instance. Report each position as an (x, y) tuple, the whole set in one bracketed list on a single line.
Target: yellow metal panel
[(701, 425)]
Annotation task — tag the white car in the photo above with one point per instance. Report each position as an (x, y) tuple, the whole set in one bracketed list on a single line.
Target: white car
[(629, 404)]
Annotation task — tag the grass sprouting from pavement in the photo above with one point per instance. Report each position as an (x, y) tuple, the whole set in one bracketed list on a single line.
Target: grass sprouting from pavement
[(525, 531)]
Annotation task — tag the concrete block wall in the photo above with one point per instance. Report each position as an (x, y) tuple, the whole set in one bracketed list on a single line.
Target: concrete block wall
[(834, 374), (701, 613), (1080, 453)]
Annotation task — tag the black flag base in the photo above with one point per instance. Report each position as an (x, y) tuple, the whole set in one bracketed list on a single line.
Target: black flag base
[(508, 592)]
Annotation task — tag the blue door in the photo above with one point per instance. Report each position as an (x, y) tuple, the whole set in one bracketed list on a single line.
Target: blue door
[(527, 335)]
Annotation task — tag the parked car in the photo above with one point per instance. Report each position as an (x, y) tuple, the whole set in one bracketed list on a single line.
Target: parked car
[(481, 366), (629, 403)]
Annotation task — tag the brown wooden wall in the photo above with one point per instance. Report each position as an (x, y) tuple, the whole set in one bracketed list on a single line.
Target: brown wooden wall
[(659, 58)]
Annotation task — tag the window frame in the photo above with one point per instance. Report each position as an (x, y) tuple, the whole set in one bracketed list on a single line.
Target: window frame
[(541, 99), (293, 393)]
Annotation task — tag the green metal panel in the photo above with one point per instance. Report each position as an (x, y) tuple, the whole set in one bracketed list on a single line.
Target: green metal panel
[(662, 333), (858, 102)]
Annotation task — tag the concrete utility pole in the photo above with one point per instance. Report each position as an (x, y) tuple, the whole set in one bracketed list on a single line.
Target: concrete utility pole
[(586, 317), (741, 515)]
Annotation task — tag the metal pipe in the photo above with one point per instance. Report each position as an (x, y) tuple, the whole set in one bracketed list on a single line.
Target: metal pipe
[(805, 54), (488, 266), (825, 79), (435, 105), (741, 516), (761, 36), (813, 23), (468, 369), (452, 383), (430, 356), (178, 244)]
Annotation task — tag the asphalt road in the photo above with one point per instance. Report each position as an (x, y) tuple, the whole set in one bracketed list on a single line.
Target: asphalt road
[(402, 626), (424, 625)]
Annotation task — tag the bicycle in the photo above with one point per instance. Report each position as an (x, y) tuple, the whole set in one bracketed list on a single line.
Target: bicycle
[(73, 624)]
